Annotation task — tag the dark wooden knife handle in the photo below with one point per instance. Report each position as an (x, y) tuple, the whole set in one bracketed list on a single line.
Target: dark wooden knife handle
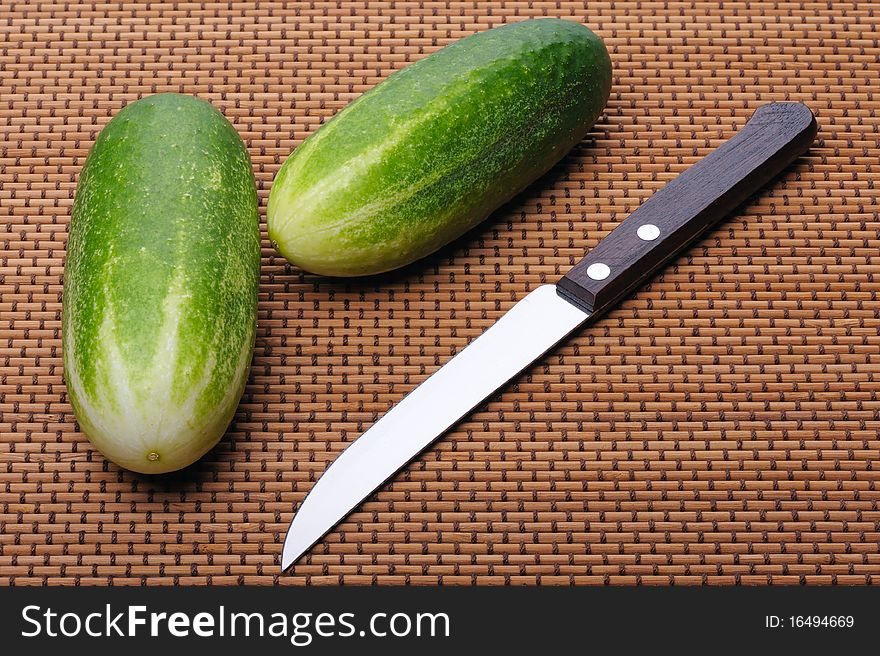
[(775, 135)]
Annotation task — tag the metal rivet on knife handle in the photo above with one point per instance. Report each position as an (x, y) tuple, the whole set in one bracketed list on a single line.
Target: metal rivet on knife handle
[(598, 271), (698, 198), (648, 232)]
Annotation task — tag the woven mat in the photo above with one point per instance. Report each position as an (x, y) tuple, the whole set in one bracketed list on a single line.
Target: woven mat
[(720, 427)]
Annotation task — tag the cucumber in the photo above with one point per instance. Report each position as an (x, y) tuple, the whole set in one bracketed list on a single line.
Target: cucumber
[(430, 152), (160, 284)]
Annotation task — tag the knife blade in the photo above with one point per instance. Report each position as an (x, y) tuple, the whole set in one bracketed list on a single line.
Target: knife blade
[(676, 215)]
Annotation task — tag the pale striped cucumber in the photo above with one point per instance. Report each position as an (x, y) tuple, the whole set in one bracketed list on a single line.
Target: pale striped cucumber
[(160, 285), (431, 151)]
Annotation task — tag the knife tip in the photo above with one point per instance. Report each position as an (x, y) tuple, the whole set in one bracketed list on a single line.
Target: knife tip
[(286, 563), (293, 550), (288, 558)]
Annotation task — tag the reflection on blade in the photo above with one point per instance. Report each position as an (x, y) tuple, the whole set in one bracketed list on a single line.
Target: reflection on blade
[(528, 330)]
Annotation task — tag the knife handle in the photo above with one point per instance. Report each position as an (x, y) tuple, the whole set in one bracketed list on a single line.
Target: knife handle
[(775, 135)]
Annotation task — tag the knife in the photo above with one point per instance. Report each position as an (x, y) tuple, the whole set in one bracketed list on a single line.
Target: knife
[(775, 135)]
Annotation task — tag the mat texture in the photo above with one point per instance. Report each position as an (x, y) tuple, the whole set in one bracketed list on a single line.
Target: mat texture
[(720, 427)]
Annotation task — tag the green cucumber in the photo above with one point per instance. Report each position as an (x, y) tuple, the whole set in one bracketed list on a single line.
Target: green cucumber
[(160, 284), (434, 149)]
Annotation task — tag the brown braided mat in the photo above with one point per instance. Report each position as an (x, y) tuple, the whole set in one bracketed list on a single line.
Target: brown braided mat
[(719, 427)]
